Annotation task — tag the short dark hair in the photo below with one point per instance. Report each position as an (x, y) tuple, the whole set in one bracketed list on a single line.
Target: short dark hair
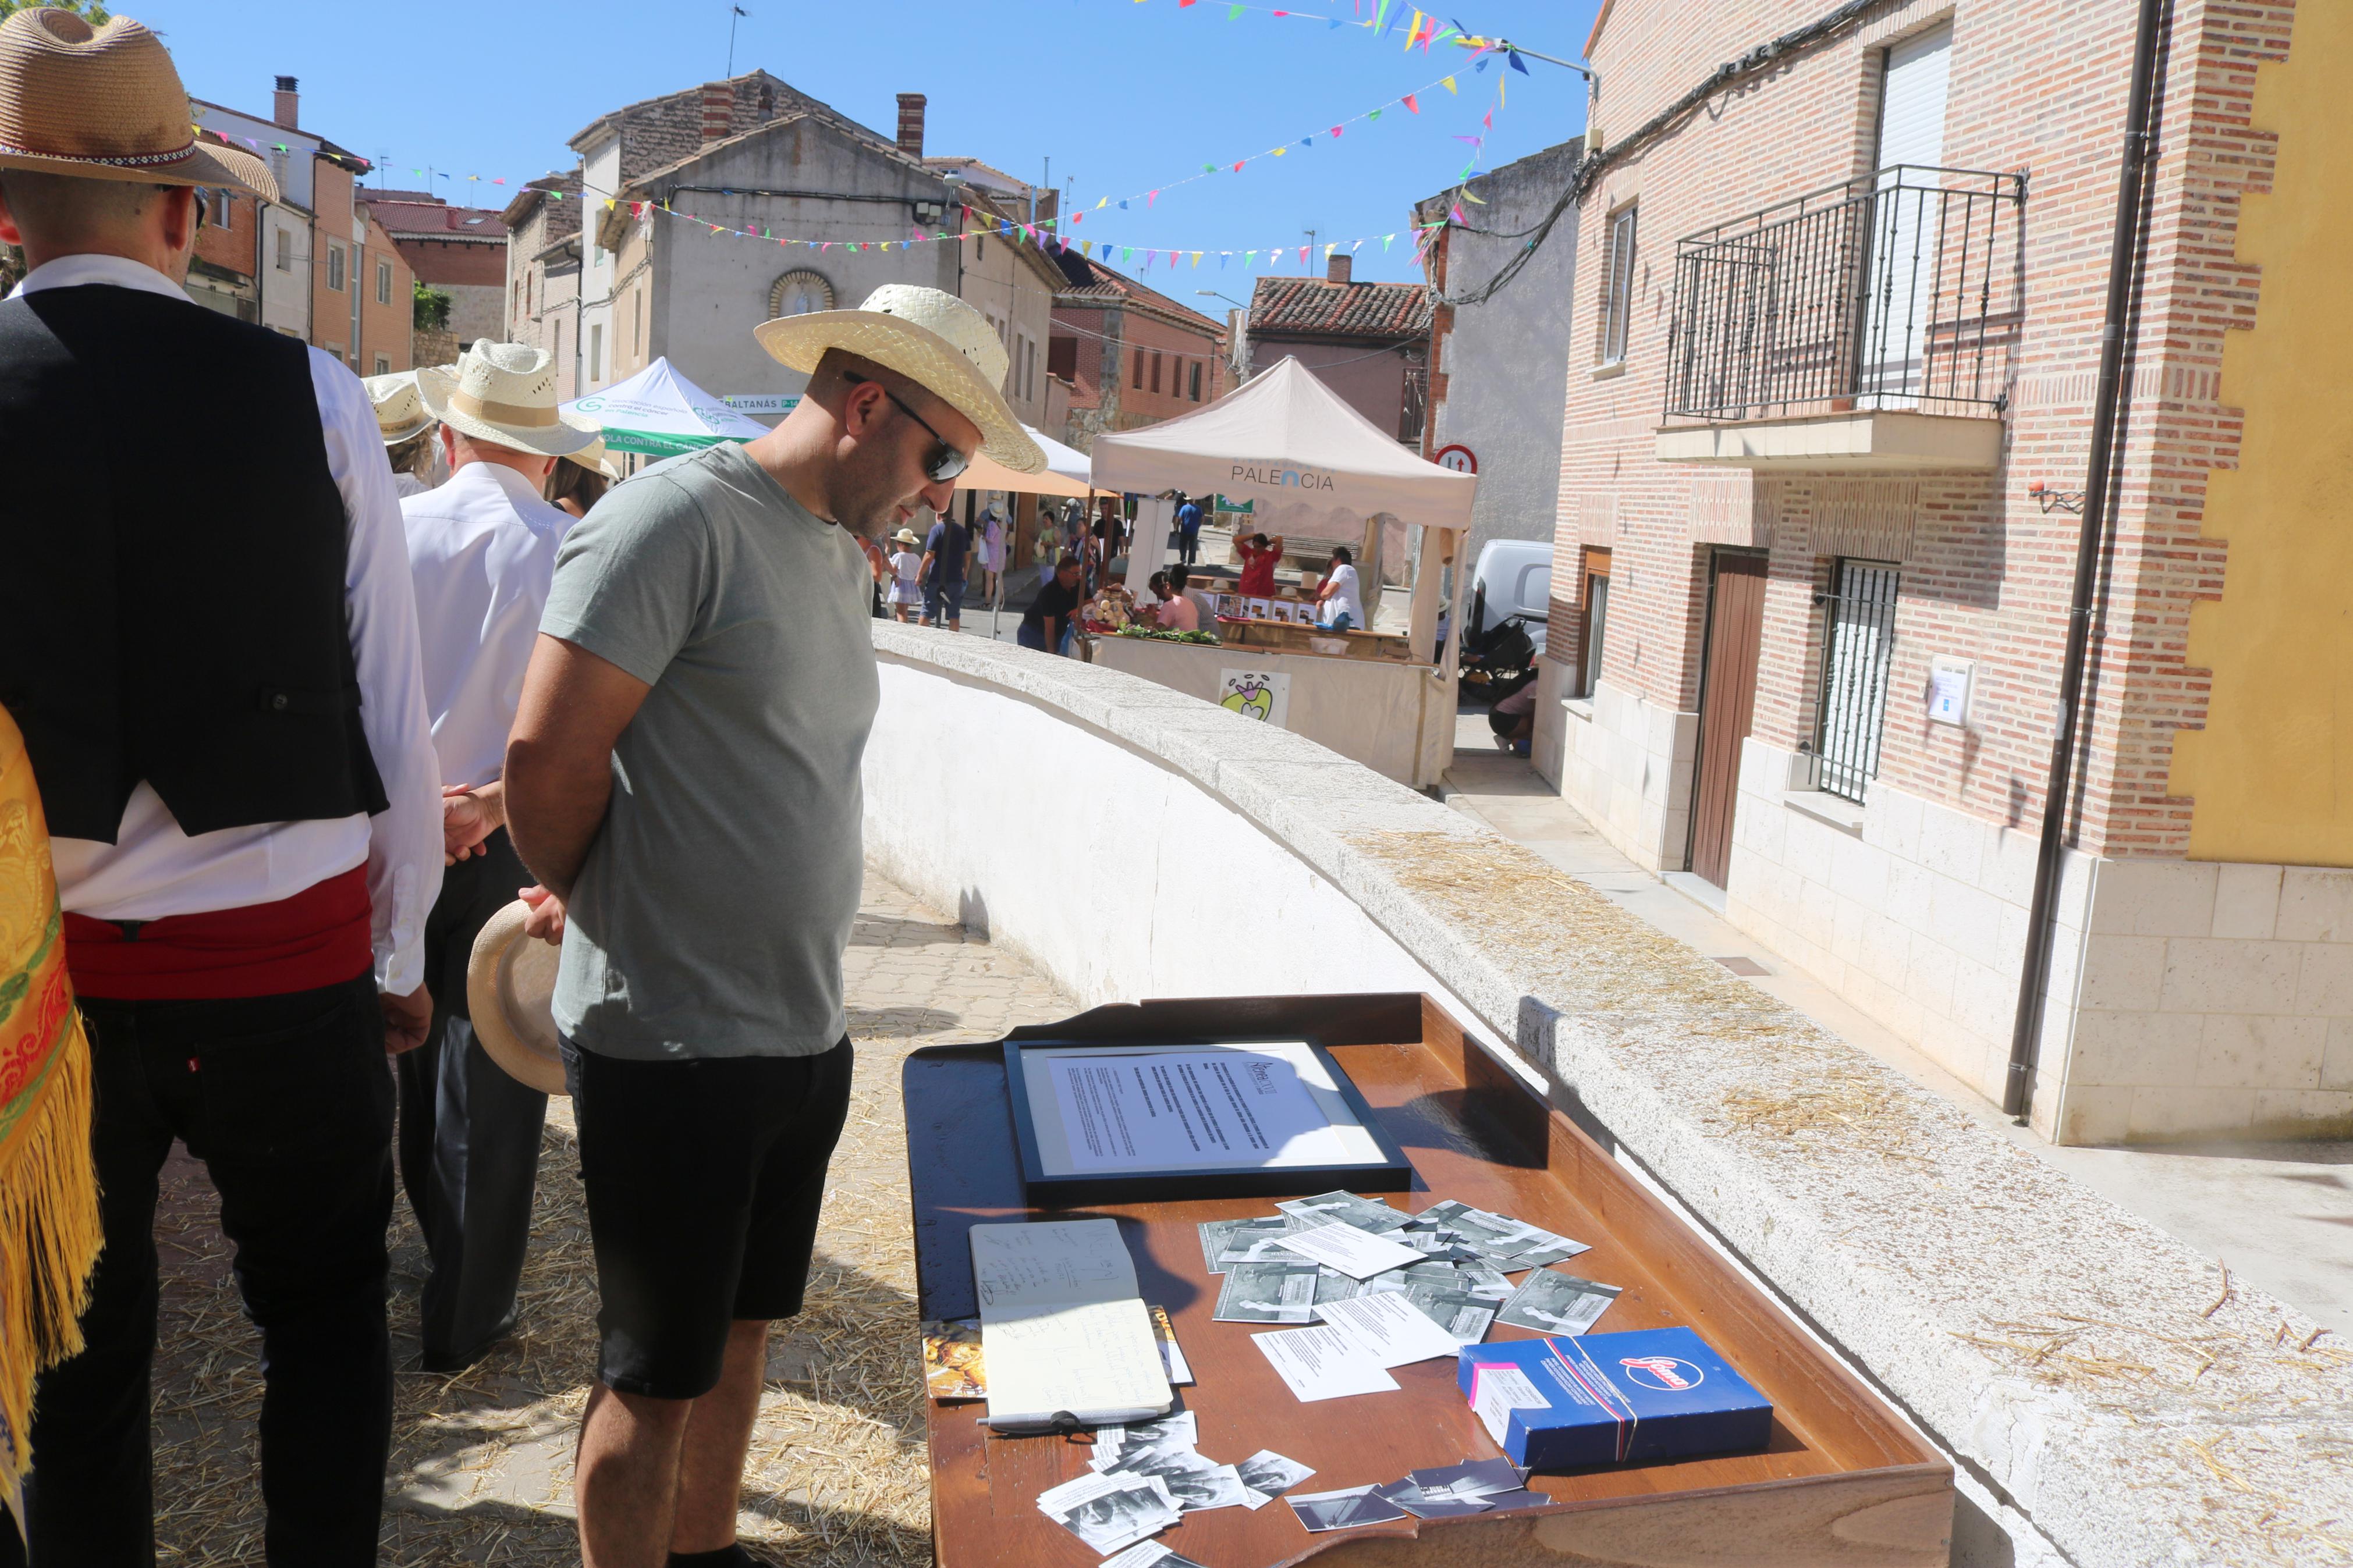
[(1340, 555), (1178, 577), (1067, 561), (1159, 580), (1258, 540)]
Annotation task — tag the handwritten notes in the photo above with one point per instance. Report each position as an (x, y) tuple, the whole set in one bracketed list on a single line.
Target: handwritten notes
[(1063, 1329)]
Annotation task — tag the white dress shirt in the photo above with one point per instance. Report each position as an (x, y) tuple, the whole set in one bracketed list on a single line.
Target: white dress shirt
[(481, 550), (404, 485), (153, 869)]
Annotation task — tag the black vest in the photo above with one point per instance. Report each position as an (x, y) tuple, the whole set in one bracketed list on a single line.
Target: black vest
[(172, 561)]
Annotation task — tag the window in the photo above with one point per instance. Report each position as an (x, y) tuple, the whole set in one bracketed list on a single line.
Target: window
[(1597, 618), (1861, 641), (1028, 368), (1196, 381), (1139, 370), (1618, 287), (383, 282), (558, 350), (224, 211), (637, 320), (1062, 357), (1155, 370), (334, 266), (384, 364), (285, 250), (596, 353)]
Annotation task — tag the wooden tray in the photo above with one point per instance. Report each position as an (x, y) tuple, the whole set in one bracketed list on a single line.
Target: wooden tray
[(1843, 1481)]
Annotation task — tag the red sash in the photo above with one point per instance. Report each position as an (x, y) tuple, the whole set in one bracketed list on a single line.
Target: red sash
[(320, 936)]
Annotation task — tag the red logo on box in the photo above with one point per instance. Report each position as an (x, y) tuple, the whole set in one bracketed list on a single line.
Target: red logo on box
[(1663, 1372)]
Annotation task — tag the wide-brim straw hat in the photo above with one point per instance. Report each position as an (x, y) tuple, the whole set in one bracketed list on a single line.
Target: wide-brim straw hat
[(905, 536), (597, 457), (505, 394), (106, 103), (399, 411), (931, 337), (510, 991)]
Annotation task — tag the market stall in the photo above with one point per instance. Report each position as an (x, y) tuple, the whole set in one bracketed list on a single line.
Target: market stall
[(658, 413), (1065, 475), (1311, 465)]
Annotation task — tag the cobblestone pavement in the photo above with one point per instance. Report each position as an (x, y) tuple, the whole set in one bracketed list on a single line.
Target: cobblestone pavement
[(481, 1468)]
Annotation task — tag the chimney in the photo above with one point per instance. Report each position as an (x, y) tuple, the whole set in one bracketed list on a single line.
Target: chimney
[(718, 110), (911, 124), (284, 105), (1336, 267)]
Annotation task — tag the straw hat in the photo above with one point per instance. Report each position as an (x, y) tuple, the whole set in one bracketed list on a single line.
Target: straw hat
[(505, 394), (934, 339), (905, 536), (510, 984), (106, 103), (399, 412), (594, 457)]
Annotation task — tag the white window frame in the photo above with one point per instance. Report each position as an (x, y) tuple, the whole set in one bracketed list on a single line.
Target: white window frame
[(1619, 253), (383, 281), (285, 257), (334, 266)]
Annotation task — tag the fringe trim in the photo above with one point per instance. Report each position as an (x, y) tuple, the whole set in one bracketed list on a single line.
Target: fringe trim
[(50, 1234)]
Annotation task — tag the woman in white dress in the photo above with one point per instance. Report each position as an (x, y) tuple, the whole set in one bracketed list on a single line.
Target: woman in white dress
[(906, 561)]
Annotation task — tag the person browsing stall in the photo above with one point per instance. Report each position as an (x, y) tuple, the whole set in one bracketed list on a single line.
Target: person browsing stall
[(1260, 556), (684, 778), (1344, 610), (1047, 625)]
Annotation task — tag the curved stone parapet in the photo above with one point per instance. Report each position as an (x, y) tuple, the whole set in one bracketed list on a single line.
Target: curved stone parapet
[(2092, 1373)]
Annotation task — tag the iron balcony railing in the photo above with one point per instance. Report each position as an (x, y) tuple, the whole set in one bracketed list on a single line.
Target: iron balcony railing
[(1897, 289)]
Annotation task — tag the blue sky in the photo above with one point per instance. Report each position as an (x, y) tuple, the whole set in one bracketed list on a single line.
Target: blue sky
[(1123, 95)]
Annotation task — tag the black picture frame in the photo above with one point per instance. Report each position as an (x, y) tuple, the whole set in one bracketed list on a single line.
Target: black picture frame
[(1391, 1173)]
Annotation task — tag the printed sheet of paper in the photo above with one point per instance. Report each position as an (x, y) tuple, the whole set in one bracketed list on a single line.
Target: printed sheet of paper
[(1061, 1328), (1323, 1363), (1205, 1107), (1497, 1390), (1393, 1330), (1358, 1254)]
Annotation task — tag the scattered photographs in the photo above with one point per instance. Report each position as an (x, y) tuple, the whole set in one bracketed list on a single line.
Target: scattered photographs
[(1109, 1511), (1343, 1510), (1553, 1303), (1115, 1444), (952, 1365), (1268, 1475), (1256, 1241), (1508, 1244), (1267, 1294), (1458, 1313), (1368, 1215)]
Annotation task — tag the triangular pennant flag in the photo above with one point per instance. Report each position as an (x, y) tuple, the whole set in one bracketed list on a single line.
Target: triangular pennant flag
[(1127, 253), (1208, 168), (1238, 165), (1335, 131), (1149, 198), (1303, 256), (1234, 11), (1250, 258), (1102, 204), (1411, 106), (1197, 260), (1472, 197), (1385, 241), (1448, 83), (1376, 114), (1456, 214), (1279, 152), (1520, 65)]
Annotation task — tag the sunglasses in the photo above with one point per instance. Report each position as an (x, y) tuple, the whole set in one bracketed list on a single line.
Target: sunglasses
[(943, 462)]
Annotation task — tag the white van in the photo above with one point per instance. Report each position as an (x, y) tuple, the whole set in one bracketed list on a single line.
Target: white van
[(1513, 577)]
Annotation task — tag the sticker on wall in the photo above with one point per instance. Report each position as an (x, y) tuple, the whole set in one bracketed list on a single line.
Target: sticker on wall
[(1261, 694), (1948, 690)]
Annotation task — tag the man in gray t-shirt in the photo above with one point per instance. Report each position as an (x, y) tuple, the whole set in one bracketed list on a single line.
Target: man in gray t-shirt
[(683, 779)]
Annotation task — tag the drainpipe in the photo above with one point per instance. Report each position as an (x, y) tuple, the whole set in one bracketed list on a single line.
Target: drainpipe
[(2108, 409)]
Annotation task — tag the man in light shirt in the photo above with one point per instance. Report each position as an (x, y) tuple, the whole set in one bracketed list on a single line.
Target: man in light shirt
[(481, 550), (1344, 609), (219, 689)]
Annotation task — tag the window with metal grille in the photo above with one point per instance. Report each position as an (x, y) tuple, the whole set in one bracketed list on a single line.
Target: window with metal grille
[(1859, 641), (1617, 292)]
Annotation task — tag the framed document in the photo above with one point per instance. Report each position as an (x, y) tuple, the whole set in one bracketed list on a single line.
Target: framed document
[(1132, 1122)]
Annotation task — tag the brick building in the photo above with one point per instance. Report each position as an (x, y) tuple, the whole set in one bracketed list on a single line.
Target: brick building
[(1131, 356), (457, 251), (223, 273), (1367, 341), (1828, 405)]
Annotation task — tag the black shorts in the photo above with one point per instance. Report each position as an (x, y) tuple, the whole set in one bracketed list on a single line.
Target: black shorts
[(703, 1179)]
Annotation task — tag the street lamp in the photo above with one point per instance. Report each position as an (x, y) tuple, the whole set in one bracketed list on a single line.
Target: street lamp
[(1229, 298)]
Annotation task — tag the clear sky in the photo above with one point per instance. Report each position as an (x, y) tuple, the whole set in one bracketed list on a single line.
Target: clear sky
[(1123, 95)]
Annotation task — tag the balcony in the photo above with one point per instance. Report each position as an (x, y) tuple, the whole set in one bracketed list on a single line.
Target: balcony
[(1870, 325)]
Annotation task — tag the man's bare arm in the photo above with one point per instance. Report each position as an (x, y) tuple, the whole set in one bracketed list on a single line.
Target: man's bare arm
[(559, 771)]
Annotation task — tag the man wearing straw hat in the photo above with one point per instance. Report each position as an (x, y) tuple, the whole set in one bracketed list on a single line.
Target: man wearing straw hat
[(481, 549), (684, 778), (219, 687)]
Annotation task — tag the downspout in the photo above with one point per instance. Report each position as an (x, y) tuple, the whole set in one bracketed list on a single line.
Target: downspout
[(2107, 408)]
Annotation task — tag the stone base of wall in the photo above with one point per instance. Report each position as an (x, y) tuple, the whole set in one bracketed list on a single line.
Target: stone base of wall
[(1626, 763), (2184, 1000), (1554, 680)]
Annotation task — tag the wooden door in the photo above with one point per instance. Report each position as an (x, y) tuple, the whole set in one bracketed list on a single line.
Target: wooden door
[(1727, 699)]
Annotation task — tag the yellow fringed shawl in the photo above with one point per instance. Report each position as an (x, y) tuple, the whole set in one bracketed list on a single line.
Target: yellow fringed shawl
[(49, 1233)]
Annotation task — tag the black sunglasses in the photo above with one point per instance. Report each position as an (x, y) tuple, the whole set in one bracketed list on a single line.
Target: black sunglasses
[(943, 462)]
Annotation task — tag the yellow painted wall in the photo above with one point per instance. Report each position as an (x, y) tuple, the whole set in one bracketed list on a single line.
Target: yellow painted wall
[(2271, 773)]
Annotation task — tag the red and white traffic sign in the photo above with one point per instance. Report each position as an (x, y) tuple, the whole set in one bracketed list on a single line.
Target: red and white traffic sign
[(1457, 457)]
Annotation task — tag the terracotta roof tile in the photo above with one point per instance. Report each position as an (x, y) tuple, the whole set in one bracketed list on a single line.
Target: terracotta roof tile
[(1339, 310)]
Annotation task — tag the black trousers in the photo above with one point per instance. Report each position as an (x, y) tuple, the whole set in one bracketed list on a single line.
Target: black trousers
[(469, 1132), (288, 1101)]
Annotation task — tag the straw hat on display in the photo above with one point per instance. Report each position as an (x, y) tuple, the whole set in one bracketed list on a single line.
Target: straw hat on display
[(399, 411), (934, 339), (505, 394), (509, 986), (106, 103)]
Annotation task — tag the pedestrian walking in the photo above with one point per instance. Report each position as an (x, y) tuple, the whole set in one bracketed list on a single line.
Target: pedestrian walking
[(989, 544), (407, 432), (705, 641), (1189, 532), (481, 550), (234, 756), (946, 550), (906, 573)]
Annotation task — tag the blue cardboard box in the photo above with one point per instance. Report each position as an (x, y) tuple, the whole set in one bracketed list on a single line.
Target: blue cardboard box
[(1600, 1399)]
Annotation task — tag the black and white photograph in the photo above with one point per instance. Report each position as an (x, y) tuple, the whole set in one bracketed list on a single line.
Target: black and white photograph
[(1115, 1444), (1557, 1249), (1320, 1511), (1256, 1241), (1195, 1482), (1270, 1474), (1346, 1208), (1109, 1511), (1554, 1303), (1267, 1294), (1216, 1233), (1460, 1313), (1423, 1504), (1472, 1477)]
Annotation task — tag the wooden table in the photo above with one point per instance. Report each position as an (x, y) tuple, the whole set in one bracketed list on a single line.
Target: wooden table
[(1843, 1481)]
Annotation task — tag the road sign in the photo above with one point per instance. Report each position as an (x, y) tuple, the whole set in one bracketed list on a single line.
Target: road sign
[(1459, 459)]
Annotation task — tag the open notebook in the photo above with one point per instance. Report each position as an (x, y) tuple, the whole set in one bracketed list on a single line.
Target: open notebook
[(1064, 1331)]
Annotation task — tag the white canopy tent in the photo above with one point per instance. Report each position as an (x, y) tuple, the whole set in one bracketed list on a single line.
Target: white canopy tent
[(1310, 463), (1065, 473), (660, 413)]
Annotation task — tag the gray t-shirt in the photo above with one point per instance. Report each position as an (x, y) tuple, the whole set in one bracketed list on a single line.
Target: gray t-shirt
[(711, 913)]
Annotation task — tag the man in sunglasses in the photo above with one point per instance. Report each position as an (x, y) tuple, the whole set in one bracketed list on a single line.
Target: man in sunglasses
[(707, 647)]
